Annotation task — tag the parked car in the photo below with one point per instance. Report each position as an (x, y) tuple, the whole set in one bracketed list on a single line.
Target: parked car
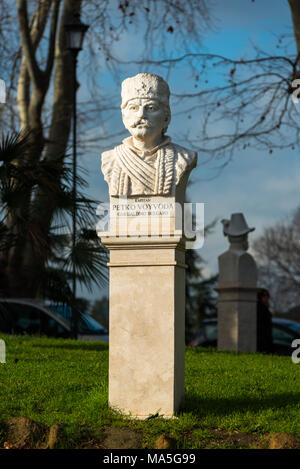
[(22, 316), (284, 332), (88, 327)]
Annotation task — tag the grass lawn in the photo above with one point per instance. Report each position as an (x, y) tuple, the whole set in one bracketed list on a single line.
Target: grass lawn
[(232, 400)]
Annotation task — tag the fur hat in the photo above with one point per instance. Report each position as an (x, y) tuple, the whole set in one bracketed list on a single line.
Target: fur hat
[(145, 85)]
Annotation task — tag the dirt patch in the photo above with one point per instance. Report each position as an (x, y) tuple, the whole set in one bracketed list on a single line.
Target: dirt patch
[(23, 433), (164, 442), (92, 443), (122, 438), (247, 440), (233, 438), (282, 441), (54, 436)]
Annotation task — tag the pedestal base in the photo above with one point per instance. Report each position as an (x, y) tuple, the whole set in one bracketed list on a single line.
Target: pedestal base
[(146, 325), (237, 318)]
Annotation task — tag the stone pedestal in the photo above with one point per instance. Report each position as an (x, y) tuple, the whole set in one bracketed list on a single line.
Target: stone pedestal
[(237, 318), (147, 176), (146, 324), (237, 315)]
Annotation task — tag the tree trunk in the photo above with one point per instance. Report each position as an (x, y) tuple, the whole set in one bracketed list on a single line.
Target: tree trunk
[(43, 207), (295, 11), (27, 258)]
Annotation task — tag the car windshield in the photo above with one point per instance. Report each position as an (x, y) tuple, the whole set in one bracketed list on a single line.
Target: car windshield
[(211, 331), (86, 324), (294, 327), (89, 325), (62, 310)]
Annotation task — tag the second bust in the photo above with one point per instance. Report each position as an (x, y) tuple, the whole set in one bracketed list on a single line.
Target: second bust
[(147, 163)]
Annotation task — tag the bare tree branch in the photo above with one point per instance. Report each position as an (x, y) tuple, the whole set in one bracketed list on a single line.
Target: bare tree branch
[(28, 48), (51, 47), (277, 252)]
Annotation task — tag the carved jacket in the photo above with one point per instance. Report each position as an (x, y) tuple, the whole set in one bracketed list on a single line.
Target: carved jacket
[(130, 171)]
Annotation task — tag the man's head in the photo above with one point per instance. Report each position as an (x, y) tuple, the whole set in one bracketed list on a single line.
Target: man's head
[(239, 242), (145, 105), (263, 296)]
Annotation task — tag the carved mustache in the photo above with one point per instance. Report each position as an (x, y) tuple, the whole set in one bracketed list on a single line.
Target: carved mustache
[(144, 123)]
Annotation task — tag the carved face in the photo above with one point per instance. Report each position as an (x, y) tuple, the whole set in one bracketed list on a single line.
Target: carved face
[(239, 242), (145, 117)]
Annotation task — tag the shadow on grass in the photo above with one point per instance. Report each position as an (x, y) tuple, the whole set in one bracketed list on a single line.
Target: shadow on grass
[(226, 406), (90, 346)]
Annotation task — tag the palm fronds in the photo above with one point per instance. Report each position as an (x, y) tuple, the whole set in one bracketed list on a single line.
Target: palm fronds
[(25, 189)]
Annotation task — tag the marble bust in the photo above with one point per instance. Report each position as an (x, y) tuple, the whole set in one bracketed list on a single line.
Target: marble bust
[(237, 265), (236, 229), (147, 162)]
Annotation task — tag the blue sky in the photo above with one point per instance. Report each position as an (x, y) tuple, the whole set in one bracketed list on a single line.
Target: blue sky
[(264, 187)]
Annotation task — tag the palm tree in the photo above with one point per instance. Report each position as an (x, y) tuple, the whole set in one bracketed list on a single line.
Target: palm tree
[(21, 227)]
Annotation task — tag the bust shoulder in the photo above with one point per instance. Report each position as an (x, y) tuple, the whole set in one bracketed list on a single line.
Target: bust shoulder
[(185, 160), (182, 149), (182, 153), (237, 266), (107, 155), (107, 162)]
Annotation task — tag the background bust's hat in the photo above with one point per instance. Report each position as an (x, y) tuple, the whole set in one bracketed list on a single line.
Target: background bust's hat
[(145, 85), (236, 226)]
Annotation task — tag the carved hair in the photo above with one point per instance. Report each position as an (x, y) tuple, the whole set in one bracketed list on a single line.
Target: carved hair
[(167, 118)]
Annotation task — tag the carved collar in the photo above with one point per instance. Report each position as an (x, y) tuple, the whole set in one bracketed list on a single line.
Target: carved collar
[(128, 142)]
